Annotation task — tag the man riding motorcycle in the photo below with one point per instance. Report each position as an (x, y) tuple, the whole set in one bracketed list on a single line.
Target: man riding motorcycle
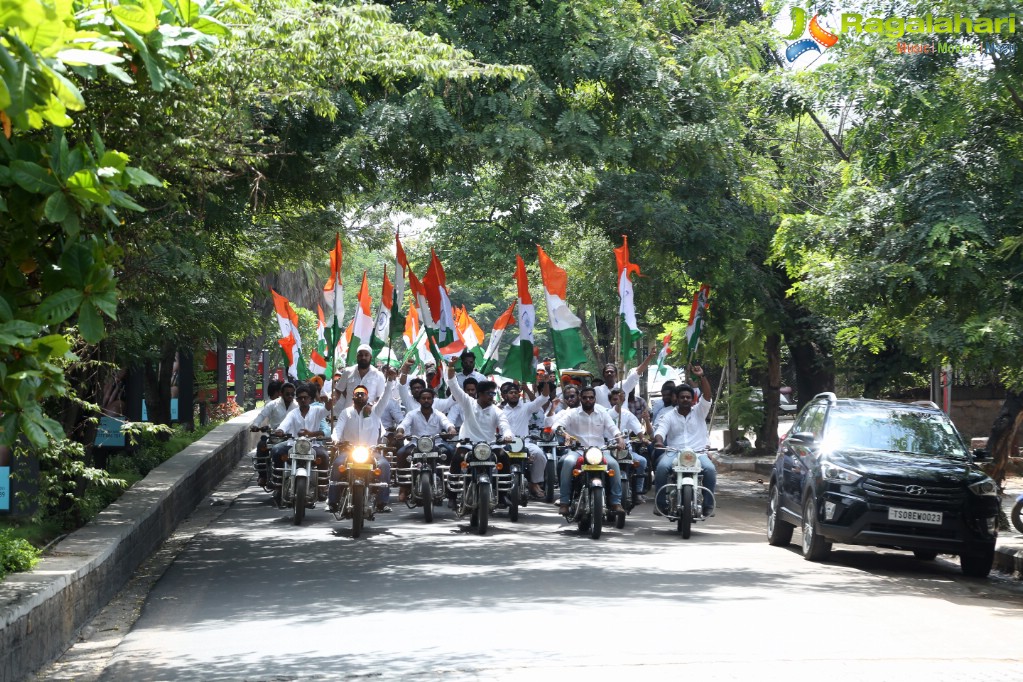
[(425, 421), (627, 423), (308, 420), (360, 425), (592, 427), (518, 414), (272, 414), (685, 428)]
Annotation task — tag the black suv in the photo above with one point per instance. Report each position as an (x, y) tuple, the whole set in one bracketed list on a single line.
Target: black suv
[(886, 474)]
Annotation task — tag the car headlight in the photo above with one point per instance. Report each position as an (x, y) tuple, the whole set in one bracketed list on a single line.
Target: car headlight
[(360, 454), (481, 451), (832, 473), (424, 444), (594, 456), (303, 446), (688, 458), (984, 487)]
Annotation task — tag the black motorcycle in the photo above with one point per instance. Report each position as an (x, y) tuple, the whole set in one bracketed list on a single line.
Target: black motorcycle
[(591, 490), (475, 486), (359, 484), (547, 441), (512, 485), (425, 475)]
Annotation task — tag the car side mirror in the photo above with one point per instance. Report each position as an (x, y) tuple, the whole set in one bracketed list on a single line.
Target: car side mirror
[(981, 454), (803, 438)]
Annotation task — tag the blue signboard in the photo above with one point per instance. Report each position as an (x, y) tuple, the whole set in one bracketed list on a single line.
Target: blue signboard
[(5, 488), (108, 432)]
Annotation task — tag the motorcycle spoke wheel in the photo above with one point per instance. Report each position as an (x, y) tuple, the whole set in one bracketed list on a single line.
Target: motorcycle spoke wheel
[(513, 502), (1017, 516), (358, 511), (301, 491), (685, 519), (548, 483), (596, 512), (483, 509), (426, 497)]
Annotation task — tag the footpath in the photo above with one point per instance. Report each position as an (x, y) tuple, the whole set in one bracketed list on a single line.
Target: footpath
[(41, 611)]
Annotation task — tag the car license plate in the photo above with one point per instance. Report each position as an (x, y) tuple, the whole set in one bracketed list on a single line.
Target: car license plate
[(914, 516)]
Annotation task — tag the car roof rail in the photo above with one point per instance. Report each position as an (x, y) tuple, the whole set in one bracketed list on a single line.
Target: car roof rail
[(832, 398), (926, 403)]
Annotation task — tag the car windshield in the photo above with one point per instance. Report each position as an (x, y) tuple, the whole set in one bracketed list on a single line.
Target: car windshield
[(893, 430)]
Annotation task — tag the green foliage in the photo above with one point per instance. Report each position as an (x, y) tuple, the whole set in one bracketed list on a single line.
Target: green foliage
[(16, 554)]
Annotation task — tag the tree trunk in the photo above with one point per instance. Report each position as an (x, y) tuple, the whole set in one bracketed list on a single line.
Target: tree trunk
[(1003, 435), (767, 438), (810, 350), (158, 385)]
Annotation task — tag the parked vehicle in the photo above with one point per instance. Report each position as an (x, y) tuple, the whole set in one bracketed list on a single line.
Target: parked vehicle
[(684, 495), (301, 478), (425, 475), (1017, 515), (885, 474)]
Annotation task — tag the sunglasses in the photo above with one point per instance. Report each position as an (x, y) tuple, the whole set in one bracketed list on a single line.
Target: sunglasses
[(362, 393)]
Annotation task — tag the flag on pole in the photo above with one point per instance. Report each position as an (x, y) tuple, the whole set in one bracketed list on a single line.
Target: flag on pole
[(291, 338), (627, 308), (333, 298), (662, 357), (697, 315), (471, 333), (441, 311), (317, 362), (362, 323), (382, 329), (398, 300), (565, 325), (429, 326), (490, 357), (518, 364)]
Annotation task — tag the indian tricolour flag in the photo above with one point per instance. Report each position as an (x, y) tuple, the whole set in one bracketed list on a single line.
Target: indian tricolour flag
[(333, 299), (627, 308), (415, 339), (362, 323), (471, 334), (565, 325), (490, 357), (442, 314), (662, 357), (291, 338), (398, 299), (317, 363), (429, 326), (697, 315), (382, 329), (518, 364)]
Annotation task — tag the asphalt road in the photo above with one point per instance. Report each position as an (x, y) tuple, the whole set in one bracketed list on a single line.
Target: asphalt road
[(251, 596)]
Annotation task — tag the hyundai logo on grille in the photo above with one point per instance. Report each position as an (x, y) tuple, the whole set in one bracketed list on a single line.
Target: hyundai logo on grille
[(916, 490)]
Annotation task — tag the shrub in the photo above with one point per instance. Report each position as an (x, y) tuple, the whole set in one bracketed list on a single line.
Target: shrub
[(16, 554)]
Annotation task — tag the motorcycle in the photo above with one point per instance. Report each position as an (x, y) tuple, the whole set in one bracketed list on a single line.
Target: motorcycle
[(261, 455), (548, 443), (513, 484), (685, 495), (630, 480), (475, 485), (591, 488), (301, 479), (1017, 514), (425, 476), (359, 485)]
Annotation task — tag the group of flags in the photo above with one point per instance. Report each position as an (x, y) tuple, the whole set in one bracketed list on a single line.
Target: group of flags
[(434, 329)]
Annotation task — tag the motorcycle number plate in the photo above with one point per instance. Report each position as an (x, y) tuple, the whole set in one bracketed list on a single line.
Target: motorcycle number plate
[(594, 467), (488, 463), (914, 516), (366, 466), (516, 455)]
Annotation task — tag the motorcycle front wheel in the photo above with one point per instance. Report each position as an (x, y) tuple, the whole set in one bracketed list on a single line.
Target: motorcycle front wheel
[(550, 473), (426, 497), (358, 511), (513, 499), (483, 508), (301, 490), (685, 517), (596, 512)]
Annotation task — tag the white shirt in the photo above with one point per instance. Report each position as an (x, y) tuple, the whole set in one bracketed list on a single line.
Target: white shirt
[(518, 417), (392, 415), (294, 421), (373, 381), (357, 428), (479, 424), (688, 432), (274, 412), (416, 424), (592, 429), (626, 422), (628, 386), (461, 376)]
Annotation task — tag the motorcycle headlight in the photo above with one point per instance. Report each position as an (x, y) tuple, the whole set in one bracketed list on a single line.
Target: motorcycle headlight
[(424, 444), (688, 458), (481, 451), (594, 456), (517, 444), (984, 487), (622, 454), (360, 454), (832, 473), (303, 446)]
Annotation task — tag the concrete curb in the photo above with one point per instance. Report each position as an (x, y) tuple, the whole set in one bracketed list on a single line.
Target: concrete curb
[(42, 610), (1009, 556)]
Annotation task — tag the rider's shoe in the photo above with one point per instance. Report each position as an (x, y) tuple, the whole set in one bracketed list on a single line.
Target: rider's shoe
[(640, 499), (333, 507), (383, 509), (657, 510), (261, 482), (563, 510), (708, 512), (402, 495), (535, 492), (617, 508)]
